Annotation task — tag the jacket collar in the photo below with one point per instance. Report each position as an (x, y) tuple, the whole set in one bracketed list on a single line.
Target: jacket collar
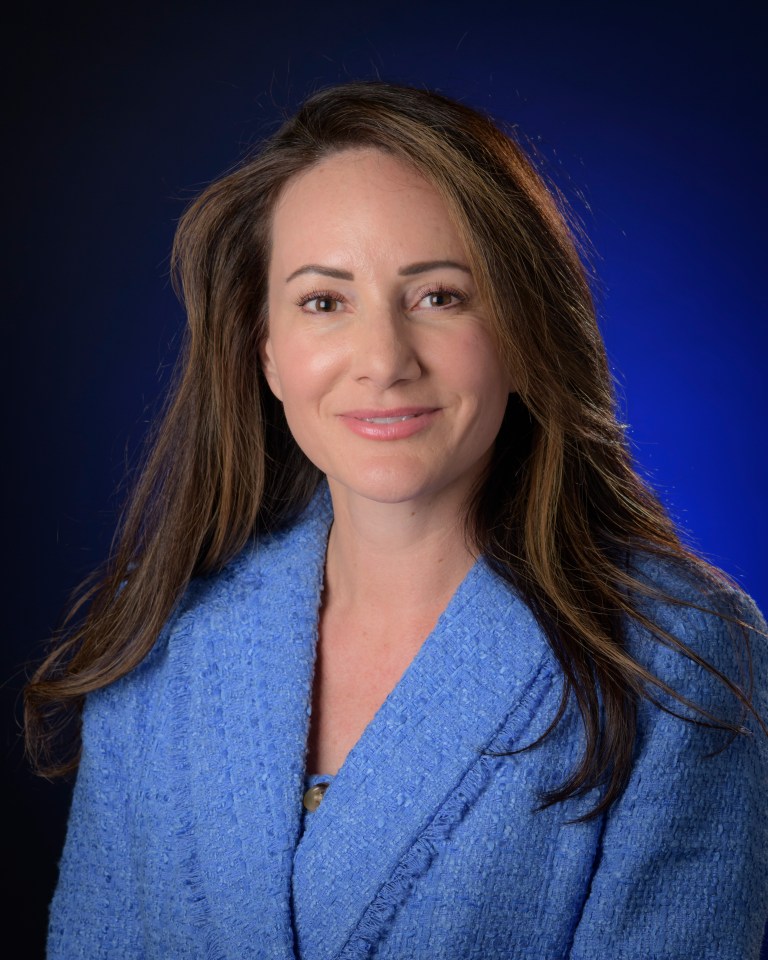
[(249, 726), (241, 664), (418, 767)]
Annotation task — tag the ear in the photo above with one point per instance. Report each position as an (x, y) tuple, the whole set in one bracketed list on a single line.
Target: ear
[(268, 365)]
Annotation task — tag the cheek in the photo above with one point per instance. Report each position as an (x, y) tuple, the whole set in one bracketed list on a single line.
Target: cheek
[(306, 368), (475, 363)]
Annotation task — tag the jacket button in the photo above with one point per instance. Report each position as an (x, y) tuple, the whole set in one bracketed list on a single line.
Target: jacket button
[(314, 795)]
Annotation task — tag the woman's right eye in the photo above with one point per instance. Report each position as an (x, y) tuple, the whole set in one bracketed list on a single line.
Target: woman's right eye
[(319, 303)]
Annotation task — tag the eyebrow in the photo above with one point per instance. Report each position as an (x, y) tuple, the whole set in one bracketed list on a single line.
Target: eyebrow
[(411, 270)]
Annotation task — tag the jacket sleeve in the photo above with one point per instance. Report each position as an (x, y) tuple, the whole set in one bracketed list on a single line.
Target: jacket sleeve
[(94, 910), (683, 866)]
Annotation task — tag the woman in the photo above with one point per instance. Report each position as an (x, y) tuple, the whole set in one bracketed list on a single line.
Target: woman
[(389, 555)]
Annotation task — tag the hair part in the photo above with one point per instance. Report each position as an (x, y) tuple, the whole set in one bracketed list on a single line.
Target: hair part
[(558, 514)]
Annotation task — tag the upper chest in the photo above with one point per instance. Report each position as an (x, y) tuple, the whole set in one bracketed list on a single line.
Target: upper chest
[(358, 664), (222, 775)]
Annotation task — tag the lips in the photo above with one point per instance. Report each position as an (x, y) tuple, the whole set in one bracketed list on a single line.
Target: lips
[(391, 424), (390, 415)]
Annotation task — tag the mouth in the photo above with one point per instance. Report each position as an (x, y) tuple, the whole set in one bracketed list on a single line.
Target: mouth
[(410, 416), (397, 423), (397, 415)]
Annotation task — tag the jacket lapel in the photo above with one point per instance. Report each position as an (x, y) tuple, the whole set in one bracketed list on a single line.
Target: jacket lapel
[(418, 767), (245, 657), (242, 687)]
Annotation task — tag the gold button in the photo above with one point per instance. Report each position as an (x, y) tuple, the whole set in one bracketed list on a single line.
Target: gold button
[(314, 795)]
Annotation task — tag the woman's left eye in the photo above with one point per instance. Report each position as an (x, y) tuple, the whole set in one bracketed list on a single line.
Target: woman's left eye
[(441, 298)]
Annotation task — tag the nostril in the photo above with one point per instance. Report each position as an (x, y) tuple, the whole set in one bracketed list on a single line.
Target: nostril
[(386, 356)]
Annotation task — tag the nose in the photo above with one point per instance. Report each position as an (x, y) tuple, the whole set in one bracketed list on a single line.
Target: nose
[(384, 350)]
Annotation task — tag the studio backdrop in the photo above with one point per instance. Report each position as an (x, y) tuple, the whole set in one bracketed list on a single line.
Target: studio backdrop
[(647, 117)]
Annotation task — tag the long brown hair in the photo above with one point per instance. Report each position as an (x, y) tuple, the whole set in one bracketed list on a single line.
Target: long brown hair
[(558, 514)]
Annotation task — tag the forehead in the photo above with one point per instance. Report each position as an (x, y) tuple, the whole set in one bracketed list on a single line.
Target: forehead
[(362, 204)]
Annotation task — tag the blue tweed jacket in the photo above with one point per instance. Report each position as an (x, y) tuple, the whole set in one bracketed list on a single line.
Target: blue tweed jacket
[(185, 836)]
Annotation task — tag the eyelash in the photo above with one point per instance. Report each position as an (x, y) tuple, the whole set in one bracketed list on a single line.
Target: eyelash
[(432, 290), (318, 295), (438, 288)]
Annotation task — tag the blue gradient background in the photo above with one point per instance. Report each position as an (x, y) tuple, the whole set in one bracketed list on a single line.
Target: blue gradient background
[(651, 120)]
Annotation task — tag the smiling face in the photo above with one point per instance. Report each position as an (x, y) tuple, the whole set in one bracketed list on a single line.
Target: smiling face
[(378, 344)]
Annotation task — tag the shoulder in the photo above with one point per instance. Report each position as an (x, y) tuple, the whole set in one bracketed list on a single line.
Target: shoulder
[(689, 619), (678, 584), (681, 869), (257, 584), (273, 560)]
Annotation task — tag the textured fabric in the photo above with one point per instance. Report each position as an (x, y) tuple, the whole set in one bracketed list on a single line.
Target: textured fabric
[(184, 837)]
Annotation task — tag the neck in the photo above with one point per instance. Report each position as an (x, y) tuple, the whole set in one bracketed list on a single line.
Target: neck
[(395, 559)]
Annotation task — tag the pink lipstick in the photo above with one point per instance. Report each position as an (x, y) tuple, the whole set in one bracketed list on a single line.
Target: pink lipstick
[(393, 424)]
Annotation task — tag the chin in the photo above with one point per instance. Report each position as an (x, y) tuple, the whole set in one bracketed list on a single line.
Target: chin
[(396, 486)]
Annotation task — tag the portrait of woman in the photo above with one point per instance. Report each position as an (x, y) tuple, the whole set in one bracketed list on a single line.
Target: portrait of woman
[(397, 655)]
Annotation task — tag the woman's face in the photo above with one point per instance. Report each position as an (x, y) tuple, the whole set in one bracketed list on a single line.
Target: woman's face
[(378, 344)]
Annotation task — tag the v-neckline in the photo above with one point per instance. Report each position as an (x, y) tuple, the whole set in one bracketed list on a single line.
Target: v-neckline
[(243, 661)]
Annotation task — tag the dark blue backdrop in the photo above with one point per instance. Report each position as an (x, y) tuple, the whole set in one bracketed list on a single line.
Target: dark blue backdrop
[(650, 118)]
